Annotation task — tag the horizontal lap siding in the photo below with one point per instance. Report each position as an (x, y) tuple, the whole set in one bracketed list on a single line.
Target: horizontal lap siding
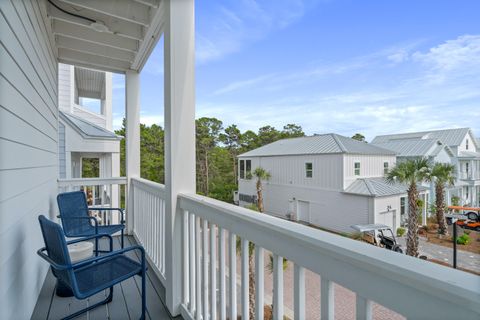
[(28, 151)]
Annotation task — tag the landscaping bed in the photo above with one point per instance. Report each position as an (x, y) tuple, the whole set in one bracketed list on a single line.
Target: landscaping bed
[(472, 245)]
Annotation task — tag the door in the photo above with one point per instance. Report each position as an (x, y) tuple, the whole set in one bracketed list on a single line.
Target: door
[(303, 208), (388, 218)]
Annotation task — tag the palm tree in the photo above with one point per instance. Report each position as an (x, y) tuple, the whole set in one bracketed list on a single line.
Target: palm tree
[(261, 174), (442, 175), (411, 172)]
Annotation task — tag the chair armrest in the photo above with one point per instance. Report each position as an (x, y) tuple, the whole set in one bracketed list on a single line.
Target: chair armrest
[(100, 235), (110, 256), (120, 210), (55, 265)]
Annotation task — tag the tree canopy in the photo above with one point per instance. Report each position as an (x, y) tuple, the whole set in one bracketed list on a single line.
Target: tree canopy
[(217, 148)]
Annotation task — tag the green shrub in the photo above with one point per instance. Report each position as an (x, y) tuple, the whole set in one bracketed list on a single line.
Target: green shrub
[(464, 239), (400, 232), (252, 206)]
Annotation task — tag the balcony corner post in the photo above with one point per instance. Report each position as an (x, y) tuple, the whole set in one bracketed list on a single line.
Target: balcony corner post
[(179, 107), (132, 139)]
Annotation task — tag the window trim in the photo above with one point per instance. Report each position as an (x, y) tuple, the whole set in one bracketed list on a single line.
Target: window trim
[(386, 168), (241, 170), (355, 168), (308, 170)]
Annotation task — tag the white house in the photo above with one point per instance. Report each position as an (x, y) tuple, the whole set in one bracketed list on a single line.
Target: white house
[(85, 128), (456, 146), (329, 180)]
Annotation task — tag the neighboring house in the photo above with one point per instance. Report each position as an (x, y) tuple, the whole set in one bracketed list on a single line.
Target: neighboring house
[(329, 180), (85, 124), (460, 144)]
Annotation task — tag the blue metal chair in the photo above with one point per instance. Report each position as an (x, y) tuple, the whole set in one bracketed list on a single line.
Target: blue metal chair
[(77, 222), (91, 276)]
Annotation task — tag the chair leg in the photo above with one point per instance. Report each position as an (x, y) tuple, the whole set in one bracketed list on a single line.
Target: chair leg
[(96, 247), (122, 239), (144, 291), (105, 301)]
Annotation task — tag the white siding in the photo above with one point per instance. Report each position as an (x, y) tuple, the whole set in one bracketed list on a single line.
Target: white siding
[(62, 171), (92, 117), (290, 170), (371, 166), (471, 145), (65, 87), (28, 152), (387, 209)]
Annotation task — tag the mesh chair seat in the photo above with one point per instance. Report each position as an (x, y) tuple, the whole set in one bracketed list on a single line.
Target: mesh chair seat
[(102, 275), (110, 229)]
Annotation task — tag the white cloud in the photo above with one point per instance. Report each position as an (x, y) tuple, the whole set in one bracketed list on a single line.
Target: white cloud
[(228, 28)]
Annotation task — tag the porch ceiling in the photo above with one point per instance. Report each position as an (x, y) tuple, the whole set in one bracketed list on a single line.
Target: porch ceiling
[(128, 32)]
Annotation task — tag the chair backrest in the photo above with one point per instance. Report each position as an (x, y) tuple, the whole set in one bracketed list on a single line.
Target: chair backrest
[(74, 204), (56, 247)]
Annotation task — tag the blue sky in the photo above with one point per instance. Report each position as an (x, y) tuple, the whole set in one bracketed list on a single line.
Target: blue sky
[(341, 66)]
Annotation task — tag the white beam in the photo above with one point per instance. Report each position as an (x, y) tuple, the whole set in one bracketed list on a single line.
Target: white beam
[(96, 62), (132, 137), (150, 3), (87, 34), (94, 49), (118, 27), (153, 34), (179, 106), (122, 9)]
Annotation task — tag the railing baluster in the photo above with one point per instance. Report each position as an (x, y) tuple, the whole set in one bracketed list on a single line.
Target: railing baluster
[(327, 297), (205, 268), (213, 273), (221, 267), (233, 275), (186, 262), (299, 292), (363, 308), (198, 286), (259, 282), (192, 251), (245, 288), (277, 287)]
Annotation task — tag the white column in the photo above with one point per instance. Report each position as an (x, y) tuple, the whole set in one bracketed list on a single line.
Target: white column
[(179, 66), (132, 137)]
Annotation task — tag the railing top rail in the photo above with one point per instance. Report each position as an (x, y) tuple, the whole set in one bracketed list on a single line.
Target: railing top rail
[(404, 284), (151, 186), (77, 182)]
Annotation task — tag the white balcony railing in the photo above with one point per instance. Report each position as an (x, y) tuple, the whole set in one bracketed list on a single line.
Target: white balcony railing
[(149, 221), (412, 287), (469, 175)]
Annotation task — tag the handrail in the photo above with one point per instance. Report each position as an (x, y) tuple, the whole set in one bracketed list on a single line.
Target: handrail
[(151, 186), (407, 285), (78, 182)]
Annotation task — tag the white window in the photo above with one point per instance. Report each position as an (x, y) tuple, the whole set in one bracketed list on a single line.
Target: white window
[(357, 168), (245, 169), (308, 170), (466, 144), (385, 168), (248, 169), (242, 169)]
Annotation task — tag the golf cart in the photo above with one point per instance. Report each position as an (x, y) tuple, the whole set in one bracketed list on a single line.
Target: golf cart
[(379, 235), (470, 220)]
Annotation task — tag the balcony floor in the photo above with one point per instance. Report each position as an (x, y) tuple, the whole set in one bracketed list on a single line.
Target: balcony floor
[(126, 302)]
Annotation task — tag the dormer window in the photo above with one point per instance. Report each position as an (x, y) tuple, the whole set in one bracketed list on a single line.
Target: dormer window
[(466, 144)]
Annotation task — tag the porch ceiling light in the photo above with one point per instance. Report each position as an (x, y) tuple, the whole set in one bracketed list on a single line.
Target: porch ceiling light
[(99, 26)]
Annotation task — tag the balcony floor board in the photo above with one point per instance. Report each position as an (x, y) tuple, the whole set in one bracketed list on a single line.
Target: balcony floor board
[(126, 302)]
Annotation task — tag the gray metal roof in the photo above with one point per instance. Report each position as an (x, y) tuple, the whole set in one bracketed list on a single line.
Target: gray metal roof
[(377, 187), (88, 129), (415, 147), (450, 137), (469, 154), (318, 144)]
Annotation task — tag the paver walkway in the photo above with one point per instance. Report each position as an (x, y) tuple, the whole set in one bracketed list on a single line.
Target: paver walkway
[(465, 259)]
